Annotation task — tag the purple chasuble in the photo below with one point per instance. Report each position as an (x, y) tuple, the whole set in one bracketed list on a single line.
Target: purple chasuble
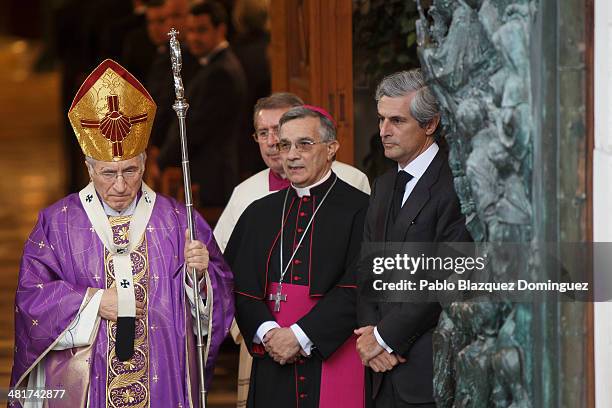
[(63, 257)]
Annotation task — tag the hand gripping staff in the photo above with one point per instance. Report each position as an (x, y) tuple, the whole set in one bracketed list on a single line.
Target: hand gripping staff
[(180, 107)]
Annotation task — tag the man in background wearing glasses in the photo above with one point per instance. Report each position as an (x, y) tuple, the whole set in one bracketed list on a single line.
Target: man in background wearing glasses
[(292, 255), (267, 113)]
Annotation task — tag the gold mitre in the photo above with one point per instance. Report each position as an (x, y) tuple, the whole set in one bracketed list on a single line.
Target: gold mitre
[(112, 114)]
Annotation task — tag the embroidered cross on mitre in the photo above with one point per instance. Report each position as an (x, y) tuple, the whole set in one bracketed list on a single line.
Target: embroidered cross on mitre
[(115, 126)]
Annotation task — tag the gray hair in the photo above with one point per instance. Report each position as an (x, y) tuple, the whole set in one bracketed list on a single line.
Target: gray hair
[(424, 106), (278, 100), (327, 130)]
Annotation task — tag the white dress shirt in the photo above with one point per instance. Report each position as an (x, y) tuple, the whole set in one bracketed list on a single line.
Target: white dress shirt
[(417, 168)]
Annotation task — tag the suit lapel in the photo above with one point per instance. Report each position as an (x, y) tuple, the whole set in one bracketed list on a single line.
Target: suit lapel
[(217, 55), (420, 195), (385, 191), (417, 200)]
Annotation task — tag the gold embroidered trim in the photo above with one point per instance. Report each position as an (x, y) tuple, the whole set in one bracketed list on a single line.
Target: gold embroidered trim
[(127, 382)]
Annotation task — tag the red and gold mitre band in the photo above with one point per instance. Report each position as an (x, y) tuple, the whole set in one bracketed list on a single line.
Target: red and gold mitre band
[(112, 114)]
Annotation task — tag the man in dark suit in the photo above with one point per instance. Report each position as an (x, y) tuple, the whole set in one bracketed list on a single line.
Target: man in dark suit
[(250, 44), (217, 99), (414, 202), (160, 80), (114, 33), (142, 45)]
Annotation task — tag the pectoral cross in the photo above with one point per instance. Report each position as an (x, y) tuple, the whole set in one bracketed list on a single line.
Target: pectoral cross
[(277, 298)]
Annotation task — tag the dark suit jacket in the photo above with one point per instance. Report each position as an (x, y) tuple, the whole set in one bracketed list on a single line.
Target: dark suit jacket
[(114, 34), (139, 53), (160, 84), (431, 214), (215, 119), (251, 51)]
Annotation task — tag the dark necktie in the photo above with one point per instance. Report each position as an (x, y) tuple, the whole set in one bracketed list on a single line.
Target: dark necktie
[(401, 180)]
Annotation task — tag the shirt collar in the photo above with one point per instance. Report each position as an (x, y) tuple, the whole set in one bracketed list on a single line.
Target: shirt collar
[(305, 191), (206, 60), (127, 212), (417, 167)]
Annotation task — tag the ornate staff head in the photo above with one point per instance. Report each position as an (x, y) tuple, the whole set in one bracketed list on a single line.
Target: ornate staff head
[(177, 63)]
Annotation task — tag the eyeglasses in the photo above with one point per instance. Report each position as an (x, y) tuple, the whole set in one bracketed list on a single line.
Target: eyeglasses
[(261, 135), (112, 176), (301, 146)]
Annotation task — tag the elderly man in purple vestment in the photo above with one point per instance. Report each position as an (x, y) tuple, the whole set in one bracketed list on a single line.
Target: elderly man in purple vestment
[(104, 307)]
